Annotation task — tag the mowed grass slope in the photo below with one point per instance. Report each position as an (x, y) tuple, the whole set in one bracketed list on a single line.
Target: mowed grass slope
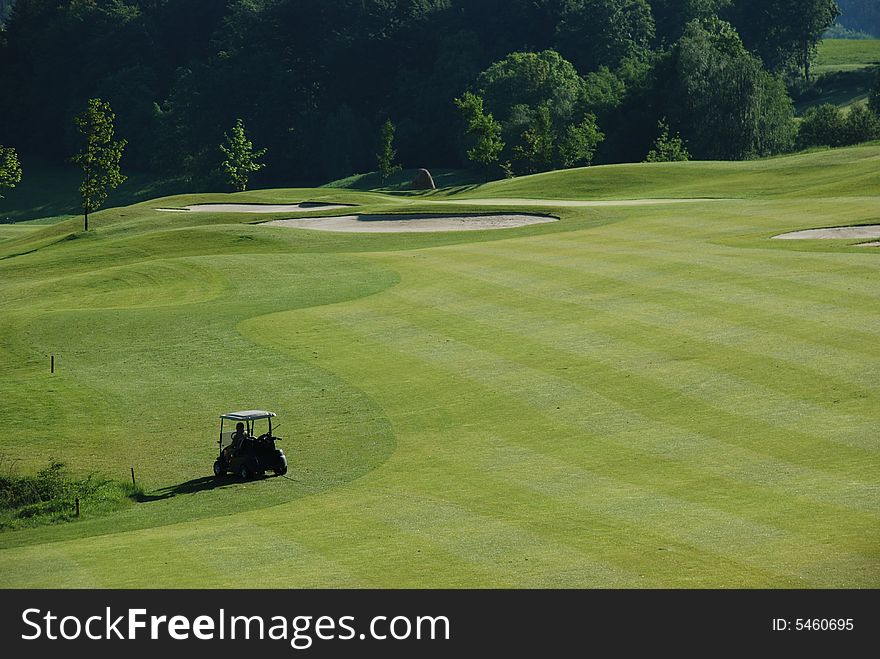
[(845, 71), (847, 54), (635, 396)]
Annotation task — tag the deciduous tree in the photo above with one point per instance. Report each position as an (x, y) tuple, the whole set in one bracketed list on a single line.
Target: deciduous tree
[(10, 168), (784, 32), (537, 148), (578, 142), (668, 148), (874, 98), (670, 16), (593, 33), (387, 156), (722, 100), (242, 159), (99, 157), (483, 129)]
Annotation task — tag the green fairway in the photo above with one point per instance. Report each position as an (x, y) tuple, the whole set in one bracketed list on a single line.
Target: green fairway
[(639, 395)]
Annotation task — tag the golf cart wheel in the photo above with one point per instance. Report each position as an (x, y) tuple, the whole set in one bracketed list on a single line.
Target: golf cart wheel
[(218, 469), (244, 472), (280, 471)]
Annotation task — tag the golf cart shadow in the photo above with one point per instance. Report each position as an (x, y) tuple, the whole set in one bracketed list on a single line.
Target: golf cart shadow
[(205, 484)]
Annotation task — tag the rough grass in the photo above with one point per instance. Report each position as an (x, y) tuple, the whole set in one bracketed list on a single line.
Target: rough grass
[(651, 396), (50, 496)]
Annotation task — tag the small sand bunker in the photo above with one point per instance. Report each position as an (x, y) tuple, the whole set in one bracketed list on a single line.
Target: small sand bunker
[(413, 223), (255, 208), (836, 233)]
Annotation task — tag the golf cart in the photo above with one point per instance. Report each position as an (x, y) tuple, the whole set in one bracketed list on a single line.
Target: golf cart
[(243, 453)]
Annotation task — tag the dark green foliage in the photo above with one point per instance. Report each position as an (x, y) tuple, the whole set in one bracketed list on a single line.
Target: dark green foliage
[(874, 98), (822, 125), (826, 125), (5, 10), (10, 169), (180, 72), (721, 99), (537, 147), (671, 16), (387, 157), (99, 156), (531, 79), (594, 33), (861, 15), (784, 33), (862, 124), (543, 106), (345, 148), (483, 129), (668, 148), (578, 142), (50, 495)]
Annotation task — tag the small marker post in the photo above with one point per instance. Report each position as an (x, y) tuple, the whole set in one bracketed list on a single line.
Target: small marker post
[(132, 478), (52, 363)]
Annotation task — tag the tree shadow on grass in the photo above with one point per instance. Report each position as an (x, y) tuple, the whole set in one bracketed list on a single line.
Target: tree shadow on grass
[(204, 484)]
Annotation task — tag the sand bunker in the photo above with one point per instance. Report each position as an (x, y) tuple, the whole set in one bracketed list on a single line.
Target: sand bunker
[(413, 223), (255, 208), (835, 233)]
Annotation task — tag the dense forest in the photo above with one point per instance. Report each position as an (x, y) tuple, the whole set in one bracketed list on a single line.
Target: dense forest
[(5, 9), (567, 82), (860, 16)]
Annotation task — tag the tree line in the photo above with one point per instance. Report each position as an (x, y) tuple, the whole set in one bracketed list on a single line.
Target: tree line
[(332, 88), (860, 16)]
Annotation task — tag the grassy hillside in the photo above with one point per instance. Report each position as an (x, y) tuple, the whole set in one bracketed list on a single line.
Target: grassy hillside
[(50, 192), (646, 395), (402, 180), (844, 70), (847, 55)]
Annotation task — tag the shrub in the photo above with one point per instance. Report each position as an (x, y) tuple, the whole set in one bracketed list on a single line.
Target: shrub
[(666, 148), (822, 125), (50, 495), (825, 125), (861, 125), (874, 98)]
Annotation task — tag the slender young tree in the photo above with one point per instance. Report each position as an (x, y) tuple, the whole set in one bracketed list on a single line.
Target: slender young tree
[(387, 153), (99, 157), (10, 169), (668, 148), (241, 158)]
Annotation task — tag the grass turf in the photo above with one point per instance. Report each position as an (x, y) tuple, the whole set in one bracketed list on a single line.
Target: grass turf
[(635, 396), (847, 54)]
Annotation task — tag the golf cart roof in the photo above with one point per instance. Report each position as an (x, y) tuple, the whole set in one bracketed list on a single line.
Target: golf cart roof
[(248, 415)]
